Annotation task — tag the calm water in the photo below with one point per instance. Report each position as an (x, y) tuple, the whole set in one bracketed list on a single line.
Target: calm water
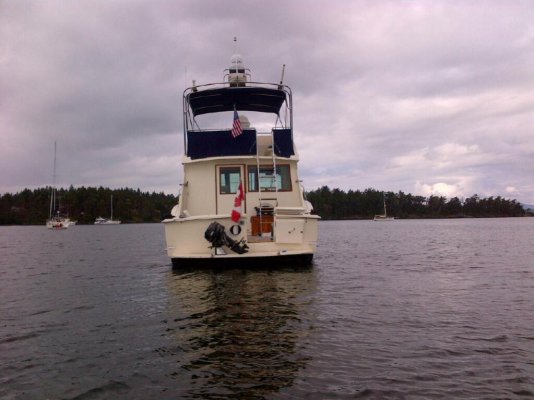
[(401, 310)]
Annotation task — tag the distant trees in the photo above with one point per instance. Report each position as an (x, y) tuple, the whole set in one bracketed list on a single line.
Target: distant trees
[(85, 204), (337, 204)]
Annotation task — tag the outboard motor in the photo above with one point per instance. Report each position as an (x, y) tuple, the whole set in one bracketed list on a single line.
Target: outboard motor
[(216, 235)]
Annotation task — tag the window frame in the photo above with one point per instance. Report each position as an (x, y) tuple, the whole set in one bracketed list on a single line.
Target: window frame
[(220, 169), (253, 170)]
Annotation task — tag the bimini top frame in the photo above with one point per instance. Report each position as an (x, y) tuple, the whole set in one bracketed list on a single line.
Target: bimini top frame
[(223, 97)]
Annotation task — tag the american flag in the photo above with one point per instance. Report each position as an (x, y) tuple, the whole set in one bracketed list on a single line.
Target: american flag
[(236, 128)]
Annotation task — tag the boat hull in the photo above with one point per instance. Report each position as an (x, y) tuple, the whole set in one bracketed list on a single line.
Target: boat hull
[(58, 224), (246, 262), (187, 246)]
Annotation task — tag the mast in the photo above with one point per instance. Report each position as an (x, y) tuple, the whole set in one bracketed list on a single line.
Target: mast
[(235, 52), (53, 195), (112, 207)]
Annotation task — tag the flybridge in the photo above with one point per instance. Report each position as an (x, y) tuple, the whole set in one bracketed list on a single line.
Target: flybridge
[(214, 98), (238, 94)]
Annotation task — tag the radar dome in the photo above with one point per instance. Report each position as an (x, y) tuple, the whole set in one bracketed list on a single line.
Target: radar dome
[(236, 61), (236, 73), (245, 123)]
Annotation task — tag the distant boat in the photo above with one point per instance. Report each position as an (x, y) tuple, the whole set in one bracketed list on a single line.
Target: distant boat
[(58, 222), (383, 217), (55, 219), (106, 221)]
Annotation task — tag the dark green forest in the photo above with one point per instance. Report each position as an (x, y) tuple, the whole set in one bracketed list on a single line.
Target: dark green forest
[(338, 204), (85, 204)]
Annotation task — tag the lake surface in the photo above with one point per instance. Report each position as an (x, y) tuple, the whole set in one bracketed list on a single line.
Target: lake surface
[(415, 309)]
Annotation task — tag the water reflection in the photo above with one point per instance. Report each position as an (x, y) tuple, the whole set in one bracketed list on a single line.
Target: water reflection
[(240, 333)]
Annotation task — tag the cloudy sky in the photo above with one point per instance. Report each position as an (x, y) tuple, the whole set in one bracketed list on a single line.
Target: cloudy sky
[(419, 96)]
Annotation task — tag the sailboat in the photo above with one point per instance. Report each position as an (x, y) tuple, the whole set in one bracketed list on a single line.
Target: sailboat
[(55, 219), (383, 217), (106, 221)]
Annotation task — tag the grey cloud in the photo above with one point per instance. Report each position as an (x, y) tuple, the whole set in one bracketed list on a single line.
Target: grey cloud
[(373, 81)]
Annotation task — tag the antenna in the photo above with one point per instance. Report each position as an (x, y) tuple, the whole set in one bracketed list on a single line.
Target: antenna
[(235, 52), (54, 175), (282, 77)]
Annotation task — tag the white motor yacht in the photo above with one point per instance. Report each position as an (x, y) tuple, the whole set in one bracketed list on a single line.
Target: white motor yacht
[(241, 202)]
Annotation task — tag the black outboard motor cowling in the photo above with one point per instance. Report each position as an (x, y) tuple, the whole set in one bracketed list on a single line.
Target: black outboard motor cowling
[(216, 235)]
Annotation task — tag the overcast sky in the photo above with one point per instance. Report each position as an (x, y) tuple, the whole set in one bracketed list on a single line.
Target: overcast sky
[(427, 97)]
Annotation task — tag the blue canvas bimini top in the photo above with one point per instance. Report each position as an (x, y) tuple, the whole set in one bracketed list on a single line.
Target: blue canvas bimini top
[(242, 98)]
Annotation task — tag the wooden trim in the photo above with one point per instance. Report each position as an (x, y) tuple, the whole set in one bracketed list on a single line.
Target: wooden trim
[(242, 171), (216, 189), (217, 171)]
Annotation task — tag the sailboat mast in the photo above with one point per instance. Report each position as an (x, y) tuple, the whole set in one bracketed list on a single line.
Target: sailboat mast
[(53, 195), (54, 176), (112, 207)]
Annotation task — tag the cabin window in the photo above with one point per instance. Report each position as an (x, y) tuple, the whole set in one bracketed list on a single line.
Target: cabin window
[(229, 179), (269, 182)]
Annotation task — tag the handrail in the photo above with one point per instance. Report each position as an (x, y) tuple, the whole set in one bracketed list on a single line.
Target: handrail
[(278, 86)]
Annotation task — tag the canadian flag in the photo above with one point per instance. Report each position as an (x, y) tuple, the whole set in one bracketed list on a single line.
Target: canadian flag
[(238, 204)]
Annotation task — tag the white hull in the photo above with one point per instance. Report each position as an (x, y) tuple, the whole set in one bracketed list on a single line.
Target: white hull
[(291, 236), (58, 223), (383, 218), (102, 221)]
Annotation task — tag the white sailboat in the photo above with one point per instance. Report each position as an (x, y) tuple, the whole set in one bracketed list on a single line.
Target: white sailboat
[(55, 219), (383, 217), (107, 221)]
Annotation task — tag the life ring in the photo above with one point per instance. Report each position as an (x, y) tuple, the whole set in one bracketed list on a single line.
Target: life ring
[(235, 230)]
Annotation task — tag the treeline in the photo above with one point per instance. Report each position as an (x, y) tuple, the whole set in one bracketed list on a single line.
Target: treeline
[(85, 204), (337, 204)]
